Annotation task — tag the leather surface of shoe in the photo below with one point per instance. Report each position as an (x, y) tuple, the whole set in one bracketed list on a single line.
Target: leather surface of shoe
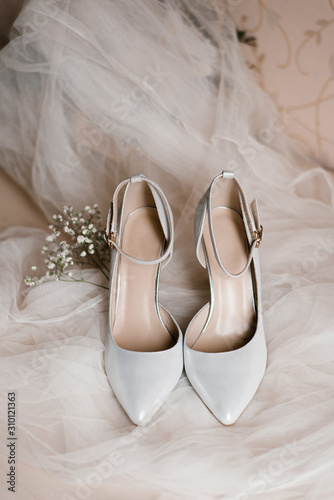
[(225, 350), (144, 352)]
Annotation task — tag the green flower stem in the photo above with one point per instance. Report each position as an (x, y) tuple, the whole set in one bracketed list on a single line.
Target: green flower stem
[(93, 261), (100, 262), (83, 281)]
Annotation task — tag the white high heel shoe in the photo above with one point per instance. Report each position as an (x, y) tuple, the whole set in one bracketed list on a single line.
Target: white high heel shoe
[(144, 354), (224, 349)]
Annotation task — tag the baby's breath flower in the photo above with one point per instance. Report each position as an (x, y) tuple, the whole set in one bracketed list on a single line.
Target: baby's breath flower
[(87, 240), (33, 281)]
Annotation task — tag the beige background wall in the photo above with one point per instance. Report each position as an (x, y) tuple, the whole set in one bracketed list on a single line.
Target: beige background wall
[(294, 63)]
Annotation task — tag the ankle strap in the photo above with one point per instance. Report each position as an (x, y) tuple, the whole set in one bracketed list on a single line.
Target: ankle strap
[(165, 216), (250, 216)]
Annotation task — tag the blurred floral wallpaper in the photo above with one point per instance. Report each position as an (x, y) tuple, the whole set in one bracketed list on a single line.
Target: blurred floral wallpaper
[(289, 46)]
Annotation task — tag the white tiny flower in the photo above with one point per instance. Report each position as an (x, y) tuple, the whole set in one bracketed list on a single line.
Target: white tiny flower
[(88, 240), (33, 268), (50, 237), (83, 254), (87, 208), (70, 274), (51, 265), (66, 229), (80, 239)]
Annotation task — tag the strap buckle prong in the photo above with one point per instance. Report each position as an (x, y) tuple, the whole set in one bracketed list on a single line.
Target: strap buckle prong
[(257, 236), (110, 238)]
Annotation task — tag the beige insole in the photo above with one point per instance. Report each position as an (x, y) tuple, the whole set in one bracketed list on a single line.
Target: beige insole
[(137, 325), (232, 322)]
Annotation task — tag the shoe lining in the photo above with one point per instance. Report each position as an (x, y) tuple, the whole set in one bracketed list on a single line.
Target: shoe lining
[(136, 322), (227, 323)]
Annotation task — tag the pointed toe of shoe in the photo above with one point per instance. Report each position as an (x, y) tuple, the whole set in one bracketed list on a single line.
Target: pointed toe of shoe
[(141, 381), (228, 409), (226, 401), (141, 402), (226, 416), (227, 381), (139, 410)]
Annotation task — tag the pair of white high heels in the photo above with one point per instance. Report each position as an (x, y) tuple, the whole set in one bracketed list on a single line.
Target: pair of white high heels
[(224, 350)]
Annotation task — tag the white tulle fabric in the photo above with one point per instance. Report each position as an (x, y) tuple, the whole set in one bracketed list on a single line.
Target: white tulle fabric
[(92, 92)]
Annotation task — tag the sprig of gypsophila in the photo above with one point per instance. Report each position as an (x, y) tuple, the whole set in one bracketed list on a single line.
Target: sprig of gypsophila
[(83, 244)]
